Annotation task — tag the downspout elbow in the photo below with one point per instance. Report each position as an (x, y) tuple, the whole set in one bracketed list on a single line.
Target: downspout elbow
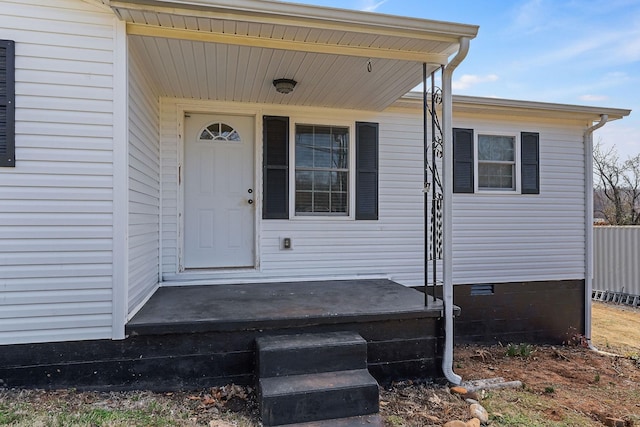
[(447, 287), (588, 197), (459, 57), (604, 118)]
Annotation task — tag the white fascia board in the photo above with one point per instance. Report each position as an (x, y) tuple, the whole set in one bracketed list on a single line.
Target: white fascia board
[(484, 105), (314, 16)]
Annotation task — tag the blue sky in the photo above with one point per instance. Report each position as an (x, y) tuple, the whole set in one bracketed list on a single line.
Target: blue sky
[(584, 52)]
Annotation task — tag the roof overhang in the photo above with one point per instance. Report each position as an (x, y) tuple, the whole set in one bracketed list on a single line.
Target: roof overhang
[(510, 107), (326, 50)]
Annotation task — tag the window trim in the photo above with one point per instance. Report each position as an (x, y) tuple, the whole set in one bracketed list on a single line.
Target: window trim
[(517, 160), (351, 197)]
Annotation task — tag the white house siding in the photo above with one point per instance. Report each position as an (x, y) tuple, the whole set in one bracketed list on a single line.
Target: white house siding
[(56, 205), (334, 247), (391, 246), (144, 183), (497, 239), (512, 238)]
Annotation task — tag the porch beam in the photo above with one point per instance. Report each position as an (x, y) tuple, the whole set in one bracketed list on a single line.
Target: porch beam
[(240, 40)]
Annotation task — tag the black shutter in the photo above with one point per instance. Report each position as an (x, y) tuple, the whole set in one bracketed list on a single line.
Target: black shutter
[(366, 170), (275, 162), (7, 103), (530, 162), (463, 160)]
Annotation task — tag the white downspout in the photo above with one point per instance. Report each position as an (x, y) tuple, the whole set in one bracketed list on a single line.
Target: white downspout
[(588, 224), (447, 221)]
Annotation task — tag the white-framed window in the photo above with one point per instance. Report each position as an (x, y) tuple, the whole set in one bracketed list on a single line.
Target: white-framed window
[(322, 170), (497, 162)]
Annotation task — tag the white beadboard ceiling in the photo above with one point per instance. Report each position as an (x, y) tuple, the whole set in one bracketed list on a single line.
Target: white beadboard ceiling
[(232, 52)]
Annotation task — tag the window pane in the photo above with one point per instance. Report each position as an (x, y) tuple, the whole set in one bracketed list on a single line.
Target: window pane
[(339, 181), (322, 148), (321, 181), (495, 176), (225, 130), (303, 201), (339, 149), (339, 202), (322, 163), (304, 146), (304, 180), (206, 134), (496, 148), (320, 202)]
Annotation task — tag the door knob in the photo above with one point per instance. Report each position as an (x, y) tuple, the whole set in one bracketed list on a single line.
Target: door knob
[(250, 190), (250, 201)]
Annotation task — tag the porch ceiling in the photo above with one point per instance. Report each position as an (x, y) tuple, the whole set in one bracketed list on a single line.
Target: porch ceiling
[(232, 50)]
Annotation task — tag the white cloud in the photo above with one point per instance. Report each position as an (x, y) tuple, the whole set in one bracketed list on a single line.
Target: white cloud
[(593, 98), (531, 17), (371, 5), (468, 80)]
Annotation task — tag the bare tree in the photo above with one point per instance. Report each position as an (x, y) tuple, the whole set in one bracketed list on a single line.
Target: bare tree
[(617, 186)]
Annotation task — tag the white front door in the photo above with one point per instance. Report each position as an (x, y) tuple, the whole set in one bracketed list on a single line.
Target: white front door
[(218, 191)]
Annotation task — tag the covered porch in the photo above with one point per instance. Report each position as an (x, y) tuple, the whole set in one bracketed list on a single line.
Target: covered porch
[(198, 66), (187, 59)]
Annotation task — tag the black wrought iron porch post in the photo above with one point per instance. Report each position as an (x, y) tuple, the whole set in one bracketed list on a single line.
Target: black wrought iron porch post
[(425, 188)]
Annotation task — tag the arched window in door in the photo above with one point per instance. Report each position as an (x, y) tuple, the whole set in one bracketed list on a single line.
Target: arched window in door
[(219, 132)]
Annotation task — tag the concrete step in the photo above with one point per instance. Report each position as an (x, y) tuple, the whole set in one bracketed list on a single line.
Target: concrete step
[(310, 353), (313, 397)]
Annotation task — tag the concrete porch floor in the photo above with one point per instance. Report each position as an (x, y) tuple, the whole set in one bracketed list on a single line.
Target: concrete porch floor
[(209, 308)]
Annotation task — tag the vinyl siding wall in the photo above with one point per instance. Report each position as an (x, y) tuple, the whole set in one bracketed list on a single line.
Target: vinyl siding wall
[(144, 183), (497, 239), (322, 247), (502, 238), (56, 205)]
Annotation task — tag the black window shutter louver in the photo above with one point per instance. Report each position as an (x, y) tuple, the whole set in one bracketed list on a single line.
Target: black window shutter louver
[(530, 162), (366, 171), (463, 160), (275, 161), (7, 103)]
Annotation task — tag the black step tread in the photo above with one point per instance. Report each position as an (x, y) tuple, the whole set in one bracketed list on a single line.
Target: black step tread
[(301, 354), (374, 420), (320, 382), (323, 396), (287, 342)]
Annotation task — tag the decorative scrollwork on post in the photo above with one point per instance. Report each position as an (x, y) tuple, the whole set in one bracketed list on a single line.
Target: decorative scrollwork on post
[(434, 100)]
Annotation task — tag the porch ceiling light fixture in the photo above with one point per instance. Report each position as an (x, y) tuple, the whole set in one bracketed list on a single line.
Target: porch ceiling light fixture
[(284, 85)]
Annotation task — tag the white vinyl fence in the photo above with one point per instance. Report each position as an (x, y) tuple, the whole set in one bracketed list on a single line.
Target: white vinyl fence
[(616, 259)]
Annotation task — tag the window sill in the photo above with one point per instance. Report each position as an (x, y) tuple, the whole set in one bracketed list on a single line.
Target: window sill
[(498, 192), (322, 217)]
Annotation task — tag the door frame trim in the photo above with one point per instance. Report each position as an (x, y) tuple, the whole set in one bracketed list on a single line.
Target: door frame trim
[(214, 108)]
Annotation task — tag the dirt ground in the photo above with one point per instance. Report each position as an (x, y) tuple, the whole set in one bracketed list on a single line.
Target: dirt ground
[(562, 386)]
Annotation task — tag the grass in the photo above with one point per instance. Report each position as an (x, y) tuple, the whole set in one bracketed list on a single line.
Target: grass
[(62, 408), (520, 350), (618, 334), (523, 408), (47, 410)]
